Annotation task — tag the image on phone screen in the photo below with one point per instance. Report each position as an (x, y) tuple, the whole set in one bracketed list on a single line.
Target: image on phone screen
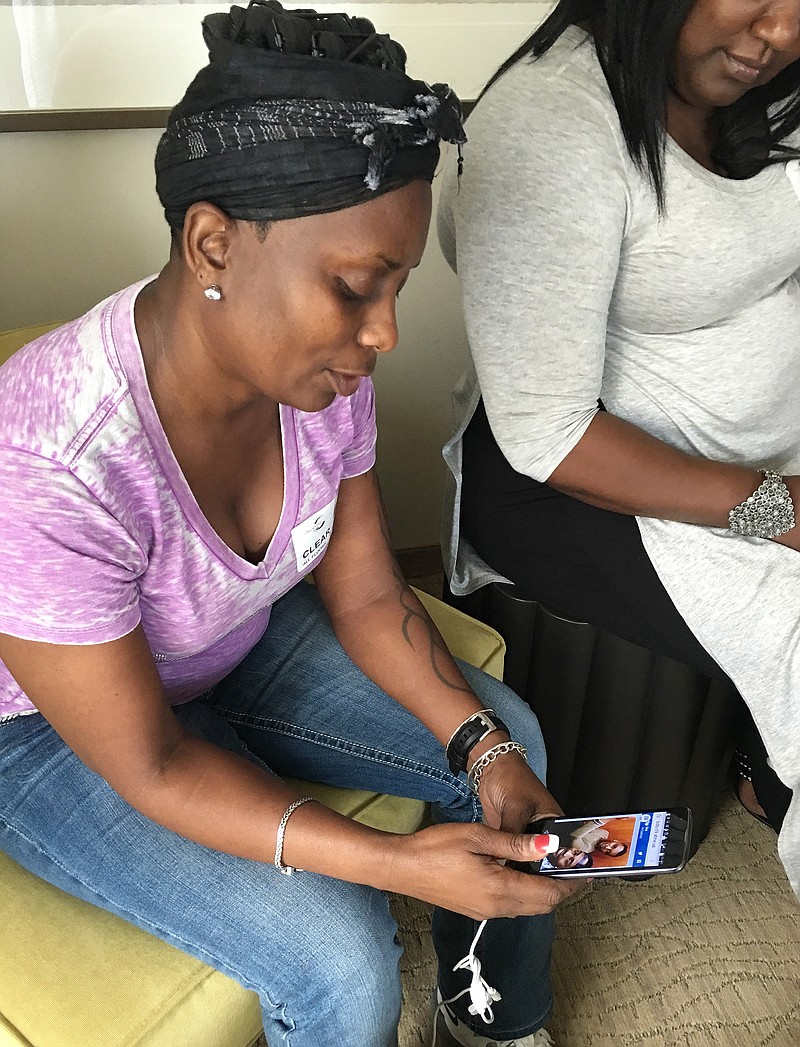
[(644, 842)]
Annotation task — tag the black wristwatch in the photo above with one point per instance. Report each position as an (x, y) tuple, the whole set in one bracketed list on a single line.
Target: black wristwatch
[(468, 735)]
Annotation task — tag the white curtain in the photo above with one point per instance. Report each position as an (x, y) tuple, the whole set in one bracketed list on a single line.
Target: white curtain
[(42, 30), (37, 32)]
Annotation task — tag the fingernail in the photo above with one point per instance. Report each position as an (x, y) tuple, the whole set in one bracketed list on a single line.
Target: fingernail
[(546, 843)]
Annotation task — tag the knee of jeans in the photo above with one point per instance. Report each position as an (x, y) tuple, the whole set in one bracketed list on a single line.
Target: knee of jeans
[(346, 989), (515, 713)]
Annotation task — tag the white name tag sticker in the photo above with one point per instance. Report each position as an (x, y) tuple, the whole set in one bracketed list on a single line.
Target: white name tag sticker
[(310, 538), (793, 174)]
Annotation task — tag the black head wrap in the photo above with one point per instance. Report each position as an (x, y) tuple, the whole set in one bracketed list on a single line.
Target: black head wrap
[(296, 114)]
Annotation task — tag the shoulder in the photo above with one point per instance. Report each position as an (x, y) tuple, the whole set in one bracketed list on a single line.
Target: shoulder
[(544, 136), (59, 390), (563, 92)]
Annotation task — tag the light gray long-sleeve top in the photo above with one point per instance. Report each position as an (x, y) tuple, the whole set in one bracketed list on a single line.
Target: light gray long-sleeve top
[(687, 325)]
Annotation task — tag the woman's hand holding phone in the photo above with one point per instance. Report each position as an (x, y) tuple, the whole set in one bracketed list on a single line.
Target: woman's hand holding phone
[(476, 869)]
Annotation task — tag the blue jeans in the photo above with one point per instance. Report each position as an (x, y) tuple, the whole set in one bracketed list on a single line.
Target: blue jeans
[(322, 955)]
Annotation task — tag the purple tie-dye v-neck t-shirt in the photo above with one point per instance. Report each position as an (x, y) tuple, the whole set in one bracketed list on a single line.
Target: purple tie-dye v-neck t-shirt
[(99, 530)]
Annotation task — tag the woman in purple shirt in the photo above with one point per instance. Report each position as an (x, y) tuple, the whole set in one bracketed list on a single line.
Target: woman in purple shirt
[(173, 464)]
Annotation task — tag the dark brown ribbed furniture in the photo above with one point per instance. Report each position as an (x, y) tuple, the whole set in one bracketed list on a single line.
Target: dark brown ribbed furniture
[(625, 729)]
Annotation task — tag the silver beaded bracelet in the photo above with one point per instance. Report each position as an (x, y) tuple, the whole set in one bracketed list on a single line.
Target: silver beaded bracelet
[(767, 513), (287, 870), (483, 761)]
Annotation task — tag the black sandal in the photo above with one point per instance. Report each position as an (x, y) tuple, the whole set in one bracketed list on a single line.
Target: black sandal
[(745, 774)]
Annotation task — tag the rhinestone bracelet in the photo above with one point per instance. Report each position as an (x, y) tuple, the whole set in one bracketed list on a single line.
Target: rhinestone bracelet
[(768, 512), (483, 761)]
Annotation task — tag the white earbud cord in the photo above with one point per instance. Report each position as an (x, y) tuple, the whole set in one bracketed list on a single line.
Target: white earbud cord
[(481, 993)]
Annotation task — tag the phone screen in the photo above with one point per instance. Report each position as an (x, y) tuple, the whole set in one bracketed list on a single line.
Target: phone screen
[(644, 842)]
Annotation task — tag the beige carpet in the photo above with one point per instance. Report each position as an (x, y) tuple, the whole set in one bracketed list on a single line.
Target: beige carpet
[(710, 956)]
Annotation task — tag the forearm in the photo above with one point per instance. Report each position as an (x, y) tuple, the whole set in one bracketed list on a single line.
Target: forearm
[(382, 625), (618, 466), (222, 801), (394, 642), (380, 622)]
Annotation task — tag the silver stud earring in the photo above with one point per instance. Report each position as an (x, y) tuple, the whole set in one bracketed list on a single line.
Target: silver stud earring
[(213, 293)]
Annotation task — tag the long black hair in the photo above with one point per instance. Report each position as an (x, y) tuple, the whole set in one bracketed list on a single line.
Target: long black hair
[(636, 42)]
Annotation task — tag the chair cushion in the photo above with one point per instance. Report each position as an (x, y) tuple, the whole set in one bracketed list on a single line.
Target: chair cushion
[(72, 975), (10, 341)]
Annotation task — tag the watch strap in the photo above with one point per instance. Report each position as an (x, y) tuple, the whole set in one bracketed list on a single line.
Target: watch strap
[(464, 739)]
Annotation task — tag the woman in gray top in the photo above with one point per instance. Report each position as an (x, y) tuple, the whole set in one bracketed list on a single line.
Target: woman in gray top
[(627, 236)]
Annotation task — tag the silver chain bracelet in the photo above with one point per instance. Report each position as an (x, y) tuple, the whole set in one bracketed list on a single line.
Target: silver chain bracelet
[(287, 870), (483, 761), (767, 513)]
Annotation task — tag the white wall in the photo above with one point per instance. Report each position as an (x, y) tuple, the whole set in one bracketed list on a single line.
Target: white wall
[(79, 217)]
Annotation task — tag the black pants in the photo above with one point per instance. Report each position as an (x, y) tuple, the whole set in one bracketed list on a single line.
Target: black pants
[(586, 564)]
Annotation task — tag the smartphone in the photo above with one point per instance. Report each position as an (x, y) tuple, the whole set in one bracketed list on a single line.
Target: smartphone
[(633, 844)]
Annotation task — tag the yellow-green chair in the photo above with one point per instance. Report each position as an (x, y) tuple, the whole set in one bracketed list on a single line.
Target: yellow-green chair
[(72, 975), (10, 341)]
